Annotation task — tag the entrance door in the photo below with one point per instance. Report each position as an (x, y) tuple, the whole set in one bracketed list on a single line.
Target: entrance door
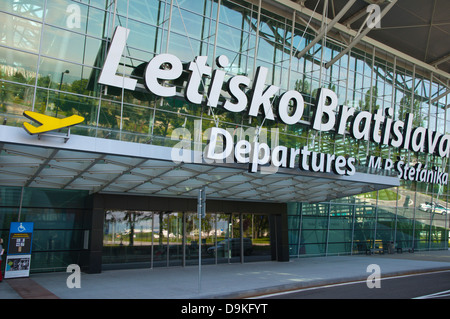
[(257, 237), (159, 253), (169, 239), (175, 239), (161, 239), (226, 249), (243, 238), (127, 237)]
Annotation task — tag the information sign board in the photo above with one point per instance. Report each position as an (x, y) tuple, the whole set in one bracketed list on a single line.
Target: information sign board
[(19, 250)]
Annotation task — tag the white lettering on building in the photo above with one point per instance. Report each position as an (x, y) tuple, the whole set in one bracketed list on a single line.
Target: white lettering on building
[(379, 127)]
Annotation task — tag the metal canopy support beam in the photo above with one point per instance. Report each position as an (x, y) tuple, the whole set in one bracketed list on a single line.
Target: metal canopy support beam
[(152, 178), (41, 167), (440, 96), (358, 15), (83, 171), (441, 60), (429, 31), (306, 23), (359, 37), (340, 28), (117, 177), (323, 30)]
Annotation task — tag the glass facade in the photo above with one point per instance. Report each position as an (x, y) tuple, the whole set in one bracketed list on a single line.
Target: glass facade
[(364, 224), (51, 55), (60, 225), (161, 239)]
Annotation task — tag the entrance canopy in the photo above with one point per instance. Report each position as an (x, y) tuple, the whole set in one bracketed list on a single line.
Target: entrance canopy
[(116, 167)]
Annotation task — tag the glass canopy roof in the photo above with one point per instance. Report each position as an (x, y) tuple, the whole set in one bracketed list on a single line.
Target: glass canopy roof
[(110, 166)]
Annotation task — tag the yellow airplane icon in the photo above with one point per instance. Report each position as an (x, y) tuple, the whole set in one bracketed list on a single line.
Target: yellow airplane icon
[(49, 123)]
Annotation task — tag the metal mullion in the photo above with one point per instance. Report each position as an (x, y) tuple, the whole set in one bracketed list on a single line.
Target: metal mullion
[(371, 92), (168, 243), (394, 90), (291, 48), (184, 238), (257, 37), (353, 226), (412, 87), (39, 57), (216, 30), (324, 27), (215, 236), (300, 209), (241, 233), (328, 228), (376, 220), (396, 217), (169, 26), (414, 221), (152, 249)]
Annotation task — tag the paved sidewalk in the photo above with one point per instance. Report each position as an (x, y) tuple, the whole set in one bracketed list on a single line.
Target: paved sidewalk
[(226, 280)]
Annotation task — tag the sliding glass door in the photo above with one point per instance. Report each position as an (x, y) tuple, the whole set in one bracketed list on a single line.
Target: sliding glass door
[(161, 239)]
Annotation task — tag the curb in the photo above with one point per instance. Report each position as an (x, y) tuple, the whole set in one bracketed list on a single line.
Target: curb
[(260, 292)]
